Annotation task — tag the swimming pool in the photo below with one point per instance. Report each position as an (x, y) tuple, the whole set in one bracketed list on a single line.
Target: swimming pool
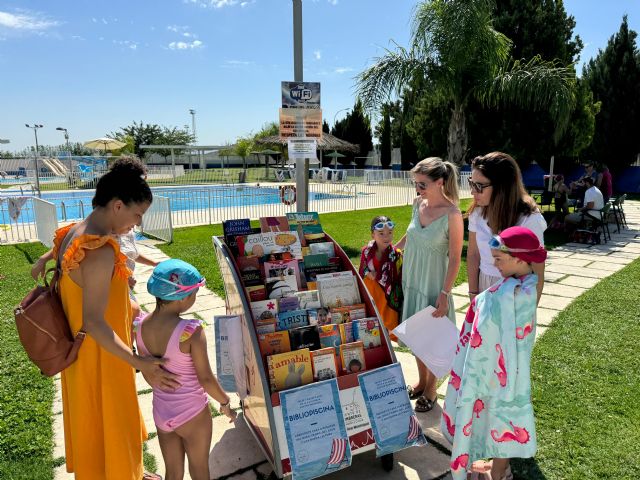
[(75, 204)]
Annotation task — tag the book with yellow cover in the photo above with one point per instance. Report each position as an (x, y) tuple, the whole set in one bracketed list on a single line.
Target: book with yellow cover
[(352, 357), (289, 369), (272, 343)]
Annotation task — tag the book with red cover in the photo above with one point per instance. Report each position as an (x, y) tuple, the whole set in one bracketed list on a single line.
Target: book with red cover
[(274, 224), (325, 364)]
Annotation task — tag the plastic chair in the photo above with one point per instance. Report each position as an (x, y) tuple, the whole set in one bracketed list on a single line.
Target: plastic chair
[(618, 212), (602, 222)]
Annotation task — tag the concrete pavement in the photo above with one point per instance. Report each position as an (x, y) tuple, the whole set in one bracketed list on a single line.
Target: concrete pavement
[(571, 270)]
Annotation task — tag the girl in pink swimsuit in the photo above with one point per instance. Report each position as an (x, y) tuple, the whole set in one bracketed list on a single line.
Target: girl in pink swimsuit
[(182, 416)]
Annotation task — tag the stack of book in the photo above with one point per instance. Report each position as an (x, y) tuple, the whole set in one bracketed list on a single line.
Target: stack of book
[(309, 317)]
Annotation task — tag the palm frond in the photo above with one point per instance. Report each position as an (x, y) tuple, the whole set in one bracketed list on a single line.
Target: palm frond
[(535, 84), (388, 75)]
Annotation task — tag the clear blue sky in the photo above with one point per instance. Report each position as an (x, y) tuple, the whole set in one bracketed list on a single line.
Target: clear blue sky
[(94, 66)]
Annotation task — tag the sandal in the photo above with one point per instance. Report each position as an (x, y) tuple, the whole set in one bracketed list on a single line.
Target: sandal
[(151, 476), (413, 393), (423, 404)]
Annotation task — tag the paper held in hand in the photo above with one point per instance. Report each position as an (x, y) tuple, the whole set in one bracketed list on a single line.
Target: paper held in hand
[(432, 339)]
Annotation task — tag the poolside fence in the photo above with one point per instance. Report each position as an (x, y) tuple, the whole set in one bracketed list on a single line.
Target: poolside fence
[(24, 217)]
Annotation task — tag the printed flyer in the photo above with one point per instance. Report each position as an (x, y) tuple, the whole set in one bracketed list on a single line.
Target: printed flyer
[(315, 430), (394, 424), (228, 340)]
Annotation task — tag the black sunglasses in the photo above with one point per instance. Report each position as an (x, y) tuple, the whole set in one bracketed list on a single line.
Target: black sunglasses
[(478, 187), (420, 185)]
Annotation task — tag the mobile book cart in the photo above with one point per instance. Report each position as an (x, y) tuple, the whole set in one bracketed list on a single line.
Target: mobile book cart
[(261, 408)]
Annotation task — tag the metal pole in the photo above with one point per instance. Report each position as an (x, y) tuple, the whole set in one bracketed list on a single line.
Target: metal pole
[(302, 165), (35, 132), (173, 165)]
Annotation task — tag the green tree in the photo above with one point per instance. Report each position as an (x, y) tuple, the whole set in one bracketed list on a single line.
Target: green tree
[(460, 55), (242, 148), (383, 133), (138, 134), (325, 127), (614, 78), (536, 27)]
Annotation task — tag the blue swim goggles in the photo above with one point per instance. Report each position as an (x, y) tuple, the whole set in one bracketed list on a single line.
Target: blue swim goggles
[(496, 243)]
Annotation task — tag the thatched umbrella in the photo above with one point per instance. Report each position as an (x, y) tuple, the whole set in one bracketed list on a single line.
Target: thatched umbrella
[(335, 155)]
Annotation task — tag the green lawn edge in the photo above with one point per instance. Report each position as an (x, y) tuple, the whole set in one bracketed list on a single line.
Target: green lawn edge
[(586, 386)]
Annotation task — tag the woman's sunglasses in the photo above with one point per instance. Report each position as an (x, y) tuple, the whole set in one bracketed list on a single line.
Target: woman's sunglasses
[(478, 187), (380, 225), (420, 185)]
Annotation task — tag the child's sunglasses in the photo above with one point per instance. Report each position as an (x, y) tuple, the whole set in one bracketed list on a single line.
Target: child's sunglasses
[(478, 187), (380, 225), (496, 243)]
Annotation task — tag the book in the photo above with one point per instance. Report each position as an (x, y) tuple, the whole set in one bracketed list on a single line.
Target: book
[(339, 292), (250, 272), (308, 299), (282, 268), (347, 313), (261, 244), (272, 343), (323, 247), (277, 256), (289, 369), (304, 337), (346, 332), (232, 228), (311, 273), (367, 330), (329, 336), (305, 223), (338, 274), (310, 237), (278, 287), (322, 316), (256, 293), (287, 304), (316, 260), (274, 224), (325, 364), (352, 357), (292, 319), (267, 325), (264, 309)]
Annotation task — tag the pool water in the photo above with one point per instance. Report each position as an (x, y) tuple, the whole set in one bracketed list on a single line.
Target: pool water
[(76, 204)]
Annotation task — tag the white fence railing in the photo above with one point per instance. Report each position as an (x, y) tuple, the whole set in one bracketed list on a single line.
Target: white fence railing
[(46, 220), (157, 219), (17, 223)]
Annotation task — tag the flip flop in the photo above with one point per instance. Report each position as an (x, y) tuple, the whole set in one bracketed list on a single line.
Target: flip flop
[(413, 393), (151, 476), (423, 404)]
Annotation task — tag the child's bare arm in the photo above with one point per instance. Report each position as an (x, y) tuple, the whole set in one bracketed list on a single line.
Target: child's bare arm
[(144, 260), (198, 345)]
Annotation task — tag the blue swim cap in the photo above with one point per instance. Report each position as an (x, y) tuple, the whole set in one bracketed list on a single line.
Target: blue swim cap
[(174, 280)]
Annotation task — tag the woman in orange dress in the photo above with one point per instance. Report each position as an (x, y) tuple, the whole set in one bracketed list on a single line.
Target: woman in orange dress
[(103, 426)]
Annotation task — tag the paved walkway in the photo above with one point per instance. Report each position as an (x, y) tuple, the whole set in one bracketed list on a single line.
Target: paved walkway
[(571, 270)]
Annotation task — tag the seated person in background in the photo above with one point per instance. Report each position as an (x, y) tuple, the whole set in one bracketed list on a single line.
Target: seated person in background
[(593, 203), (560, 191), (578, 187)]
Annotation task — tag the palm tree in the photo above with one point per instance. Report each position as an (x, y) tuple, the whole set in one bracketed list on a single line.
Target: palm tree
[(460, 56)]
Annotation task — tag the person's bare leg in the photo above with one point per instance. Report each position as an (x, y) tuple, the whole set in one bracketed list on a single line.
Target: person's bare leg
[(173, 454), (430, 389), (499, 467), (196, 436), (422, 376)]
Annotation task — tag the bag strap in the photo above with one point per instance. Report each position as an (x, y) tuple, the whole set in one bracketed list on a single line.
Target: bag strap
[(57, 273)]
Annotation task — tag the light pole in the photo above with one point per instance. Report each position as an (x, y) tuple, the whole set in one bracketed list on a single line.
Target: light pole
[(335, 116), (35, 132), (193, 130), (66, 139)]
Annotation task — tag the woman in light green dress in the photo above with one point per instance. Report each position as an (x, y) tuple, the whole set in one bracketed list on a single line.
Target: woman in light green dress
[(432, 252)]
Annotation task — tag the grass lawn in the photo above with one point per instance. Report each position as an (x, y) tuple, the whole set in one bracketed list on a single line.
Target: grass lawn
[(25, 395), (349, 229), (585, 394)]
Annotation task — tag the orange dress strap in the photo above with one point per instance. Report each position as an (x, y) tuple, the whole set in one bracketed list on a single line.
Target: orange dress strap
[(76, 251)]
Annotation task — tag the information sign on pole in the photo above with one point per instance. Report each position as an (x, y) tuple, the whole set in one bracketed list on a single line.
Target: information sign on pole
[(305, 95), (300, 123), (302, 148)]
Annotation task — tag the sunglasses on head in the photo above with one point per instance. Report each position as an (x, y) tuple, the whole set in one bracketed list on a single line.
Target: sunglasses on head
[(420, 185), (182, 288), (478, 187), (380, 225), (496, 243)]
